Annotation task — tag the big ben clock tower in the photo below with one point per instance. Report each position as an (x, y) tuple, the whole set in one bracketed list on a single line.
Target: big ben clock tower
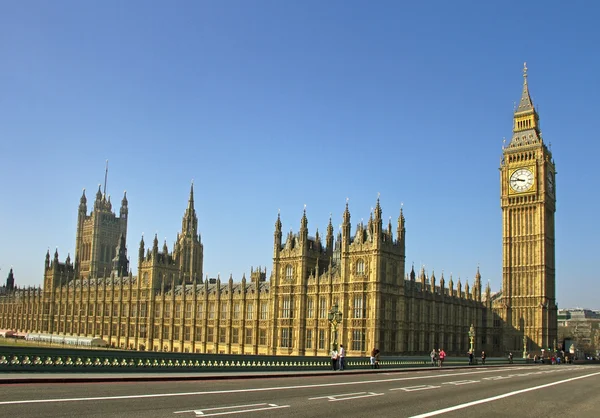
[(528, 200)]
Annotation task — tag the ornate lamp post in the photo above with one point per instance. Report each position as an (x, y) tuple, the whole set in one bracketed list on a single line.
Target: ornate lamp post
[(524, 346), (334, 317), (471, 338)]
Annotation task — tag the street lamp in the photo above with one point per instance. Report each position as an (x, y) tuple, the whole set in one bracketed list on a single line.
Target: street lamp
[(334, 317), (471, 338)]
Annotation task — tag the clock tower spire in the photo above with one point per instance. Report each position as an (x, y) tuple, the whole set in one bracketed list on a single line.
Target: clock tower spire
[(527, 303)]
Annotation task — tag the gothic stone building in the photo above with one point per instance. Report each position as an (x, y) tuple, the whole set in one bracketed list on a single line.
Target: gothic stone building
[(169, 306)]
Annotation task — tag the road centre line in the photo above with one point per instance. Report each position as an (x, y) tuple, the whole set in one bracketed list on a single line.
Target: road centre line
[(217, 392), (368, 395), (417, 388), (495, 398)]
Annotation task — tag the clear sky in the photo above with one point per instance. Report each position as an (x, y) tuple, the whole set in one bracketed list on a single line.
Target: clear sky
[(273, 105)]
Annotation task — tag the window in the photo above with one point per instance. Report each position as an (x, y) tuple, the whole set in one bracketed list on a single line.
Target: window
[(262, 336), (264, 310), (322, 307), (222, 335), (310, 311), (286, 311), (176, 332), (360, 267), (211, 310), (143, 312), (250, 310), (358, 340), (358, 307), (321, 339), (309, 338), (223, 310), (187, 336), (165, 332), (198, 336), (289, 272), (236, 310), (286, 340), (188, 310), (210, 334), (156, 331), (177, 310), (235, 335), (167, 310), (248, 339), (200, 311)]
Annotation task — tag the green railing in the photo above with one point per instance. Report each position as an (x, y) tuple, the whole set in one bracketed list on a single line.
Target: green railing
[(67, 360)]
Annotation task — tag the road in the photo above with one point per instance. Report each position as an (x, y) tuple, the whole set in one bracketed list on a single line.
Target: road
[(532, 391)]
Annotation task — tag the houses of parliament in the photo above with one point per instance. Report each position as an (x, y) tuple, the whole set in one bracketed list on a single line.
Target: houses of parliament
[(170, 306)]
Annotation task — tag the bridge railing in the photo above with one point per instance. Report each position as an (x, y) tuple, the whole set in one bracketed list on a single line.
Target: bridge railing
[(72, 360)]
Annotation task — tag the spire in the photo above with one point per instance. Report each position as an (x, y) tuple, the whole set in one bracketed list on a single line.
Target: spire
[(525, 118), (378, 210), (99, 193), (525, 105), (191, 199), (189, 225)]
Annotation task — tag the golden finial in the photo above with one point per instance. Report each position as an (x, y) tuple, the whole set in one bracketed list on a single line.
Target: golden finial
[(525, 69)]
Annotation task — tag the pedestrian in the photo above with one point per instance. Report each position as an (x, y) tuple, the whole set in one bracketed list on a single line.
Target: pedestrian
[(483, 357), (433, 355), (470, 358), (377, 358), (510, 358), (342, 357), (334, 358), (442, 356), (372, 358)]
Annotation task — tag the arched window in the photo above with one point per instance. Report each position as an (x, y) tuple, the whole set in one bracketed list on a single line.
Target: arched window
[(289, 272), (360, 267)]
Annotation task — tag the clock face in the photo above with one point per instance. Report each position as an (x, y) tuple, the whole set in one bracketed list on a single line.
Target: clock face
[(550, 181), (521, 180)]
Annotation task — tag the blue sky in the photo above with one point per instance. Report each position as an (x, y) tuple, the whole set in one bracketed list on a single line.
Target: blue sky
[(271, 105)]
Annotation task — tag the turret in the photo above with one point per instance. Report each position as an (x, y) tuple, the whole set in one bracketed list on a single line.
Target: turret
[(432, 281), (141, 252), (412, 273), (124, 209), (277, 236), (83, 204), (477, 286), (329, 237), (377, 221), (303, 233), (442, 285), (155, 246), (10, 280), (400, 231), (47, 264), (346, 226)]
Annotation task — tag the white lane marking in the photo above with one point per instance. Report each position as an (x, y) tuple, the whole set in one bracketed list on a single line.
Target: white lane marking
[(495, 398), (200, 413), (416, 388), (216, 392), (347, 396), (461, 382), (332, 396), (495, 378), (220, 407)]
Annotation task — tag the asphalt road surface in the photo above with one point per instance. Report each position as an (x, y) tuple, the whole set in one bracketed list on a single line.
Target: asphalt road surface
[(519, 391)]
